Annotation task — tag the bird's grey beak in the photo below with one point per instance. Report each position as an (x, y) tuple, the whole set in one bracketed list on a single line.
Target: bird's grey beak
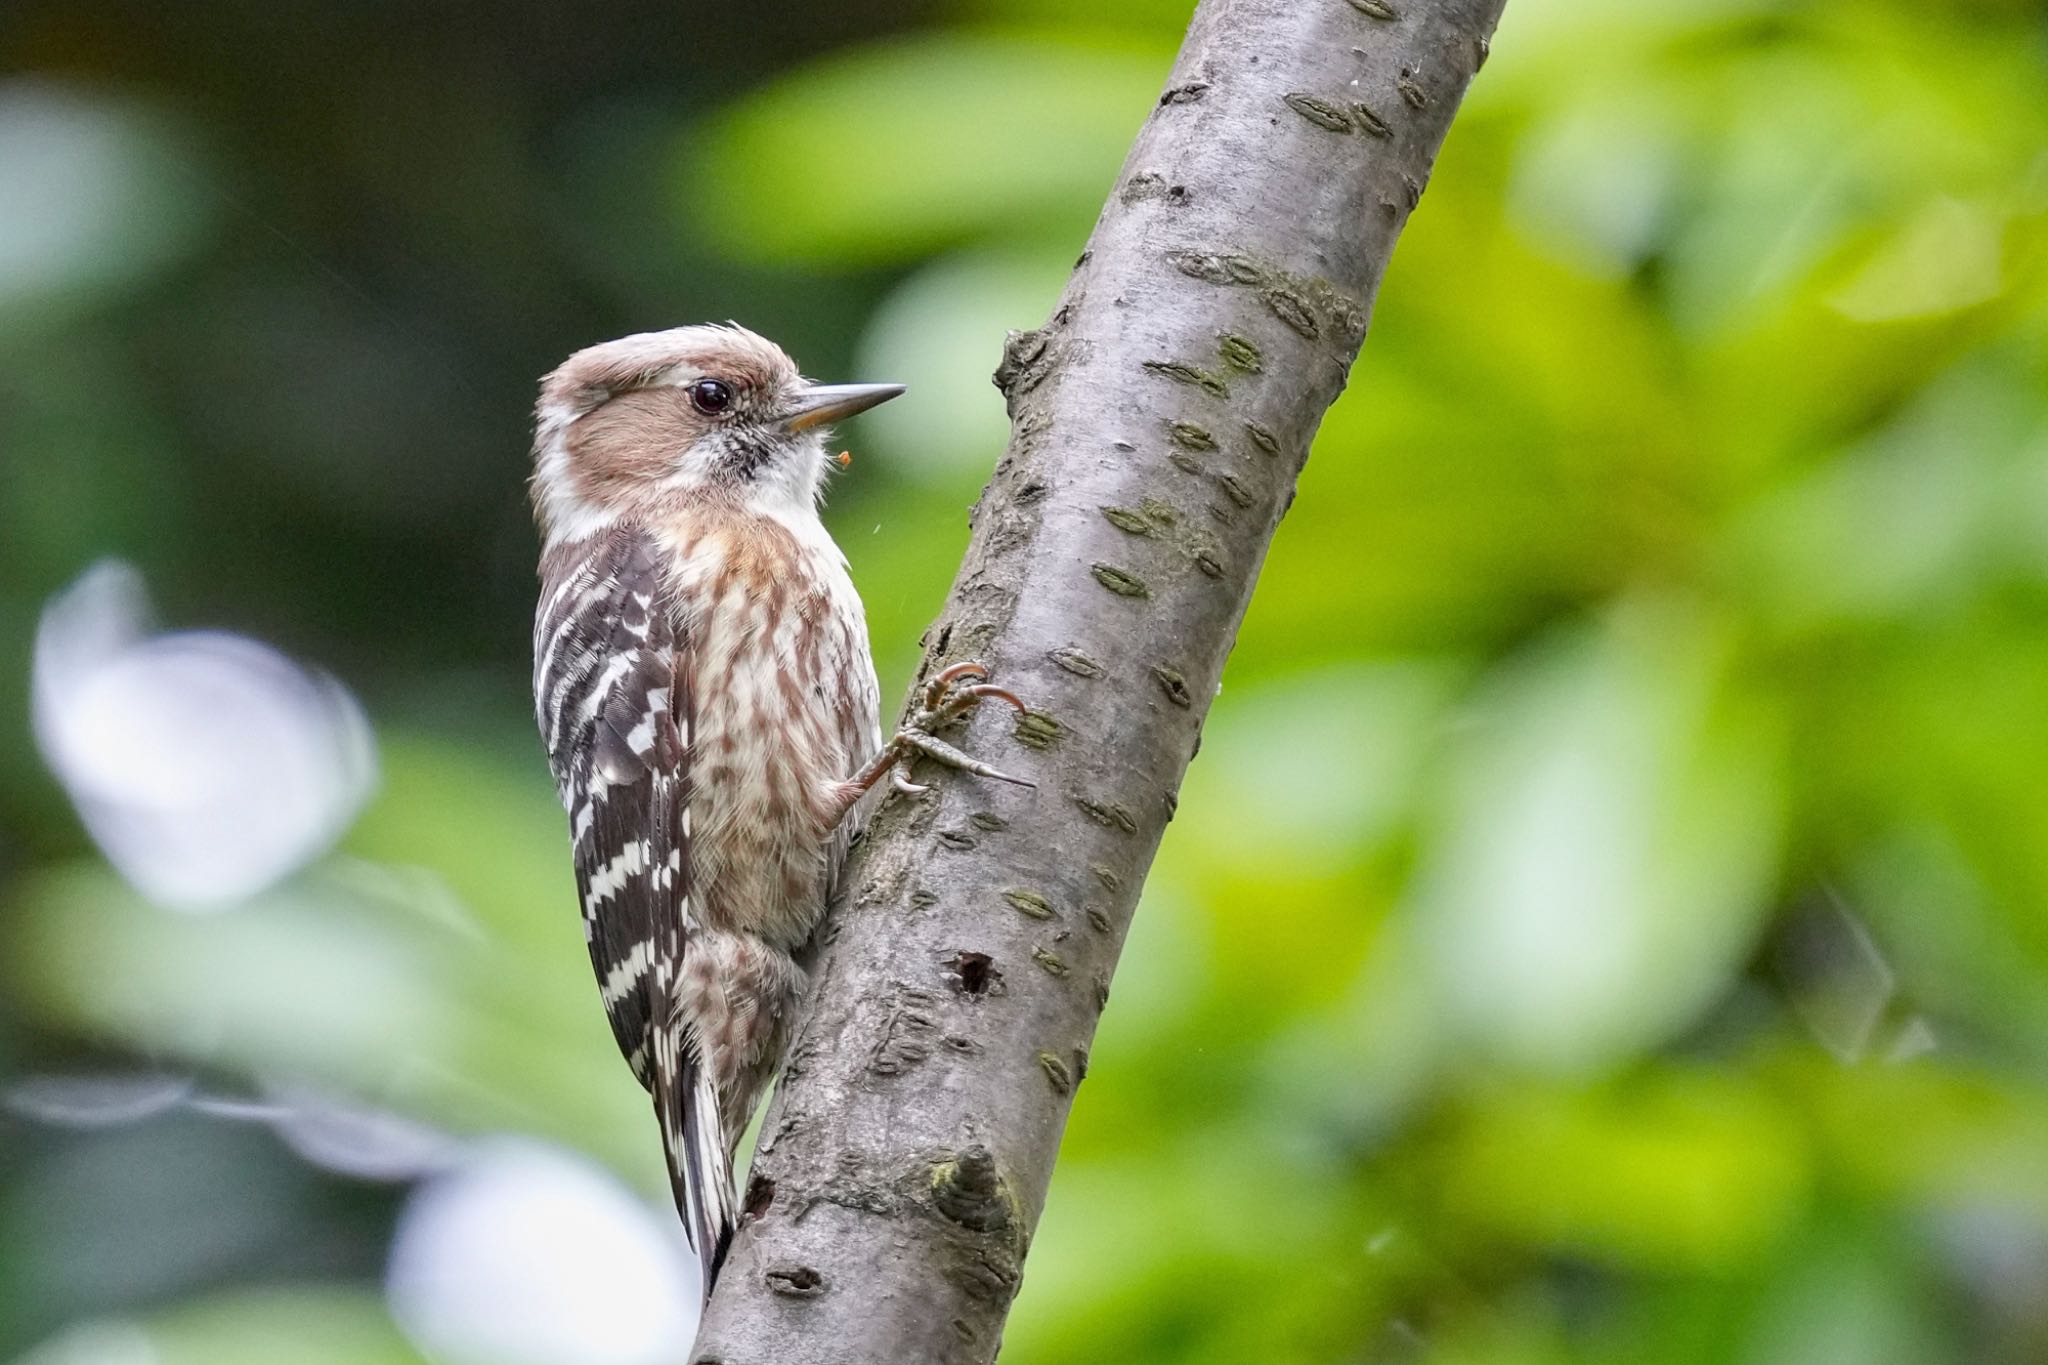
[(829, 402)]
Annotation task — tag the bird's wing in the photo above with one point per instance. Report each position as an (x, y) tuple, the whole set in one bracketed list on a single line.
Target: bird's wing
[(611, 684)]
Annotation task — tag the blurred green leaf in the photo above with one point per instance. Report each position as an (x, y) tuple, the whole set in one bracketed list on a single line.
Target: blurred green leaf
[(1607, 844), (316, 1326), (1681, 1171), (884, 153)]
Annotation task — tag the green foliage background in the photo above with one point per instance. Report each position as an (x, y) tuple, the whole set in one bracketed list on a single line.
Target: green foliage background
[(1667, 592)]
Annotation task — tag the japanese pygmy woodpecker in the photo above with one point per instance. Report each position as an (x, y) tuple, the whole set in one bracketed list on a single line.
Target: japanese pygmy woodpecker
[(703, 683)]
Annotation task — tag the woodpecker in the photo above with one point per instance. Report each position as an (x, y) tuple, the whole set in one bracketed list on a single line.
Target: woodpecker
[(704, 687)]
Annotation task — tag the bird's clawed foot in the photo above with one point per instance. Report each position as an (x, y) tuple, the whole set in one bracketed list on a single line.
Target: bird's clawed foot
[(952, 693)]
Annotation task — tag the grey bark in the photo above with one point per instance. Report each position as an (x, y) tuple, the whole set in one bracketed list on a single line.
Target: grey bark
[(1159, 422)]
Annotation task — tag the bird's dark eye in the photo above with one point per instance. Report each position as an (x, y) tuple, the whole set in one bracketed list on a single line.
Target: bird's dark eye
[(710, 396)]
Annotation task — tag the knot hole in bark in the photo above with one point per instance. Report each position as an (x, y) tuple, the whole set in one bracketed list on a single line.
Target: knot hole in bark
[(975, 974)]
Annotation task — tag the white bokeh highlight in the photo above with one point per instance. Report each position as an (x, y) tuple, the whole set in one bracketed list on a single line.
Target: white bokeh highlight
[(96, 1101), (207, 766), (101, 191), (110, 1342), (356, 1139), (527, 1254)]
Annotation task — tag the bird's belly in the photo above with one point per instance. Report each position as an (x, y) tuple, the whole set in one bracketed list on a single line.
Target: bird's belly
[(781, 698), (763, 763)]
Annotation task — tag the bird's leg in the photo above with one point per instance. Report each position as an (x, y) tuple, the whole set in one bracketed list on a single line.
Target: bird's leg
[(952, 693)]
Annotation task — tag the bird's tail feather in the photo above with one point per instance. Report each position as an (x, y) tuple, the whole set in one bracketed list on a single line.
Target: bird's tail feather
[(699, 1156)]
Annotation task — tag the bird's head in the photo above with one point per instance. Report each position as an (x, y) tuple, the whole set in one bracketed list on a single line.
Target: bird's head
[(662, 418)]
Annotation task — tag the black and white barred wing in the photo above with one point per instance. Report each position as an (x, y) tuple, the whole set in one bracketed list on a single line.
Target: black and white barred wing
[(606, 698), (611, 693)]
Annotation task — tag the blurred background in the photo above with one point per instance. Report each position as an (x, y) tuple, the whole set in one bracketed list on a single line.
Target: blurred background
[(1606, 921)]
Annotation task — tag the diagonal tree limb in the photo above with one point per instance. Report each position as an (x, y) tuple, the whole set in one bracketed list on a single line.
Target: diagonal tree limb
[(1159, 422)]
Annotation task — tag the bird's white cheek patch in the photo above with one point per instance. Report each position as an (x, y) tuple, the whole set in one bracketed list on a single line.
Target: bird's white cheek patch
[(567, 517)]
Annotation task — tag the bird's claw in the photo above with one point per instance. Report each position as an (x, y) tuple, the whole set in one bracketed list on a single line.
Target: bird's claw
[(945, 699), (938, 750), (943, 680), (952, 692)]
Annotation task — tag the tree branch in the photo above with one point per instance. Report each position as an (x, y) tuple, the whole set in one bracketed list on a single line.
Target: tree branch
[(1159, 422)]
